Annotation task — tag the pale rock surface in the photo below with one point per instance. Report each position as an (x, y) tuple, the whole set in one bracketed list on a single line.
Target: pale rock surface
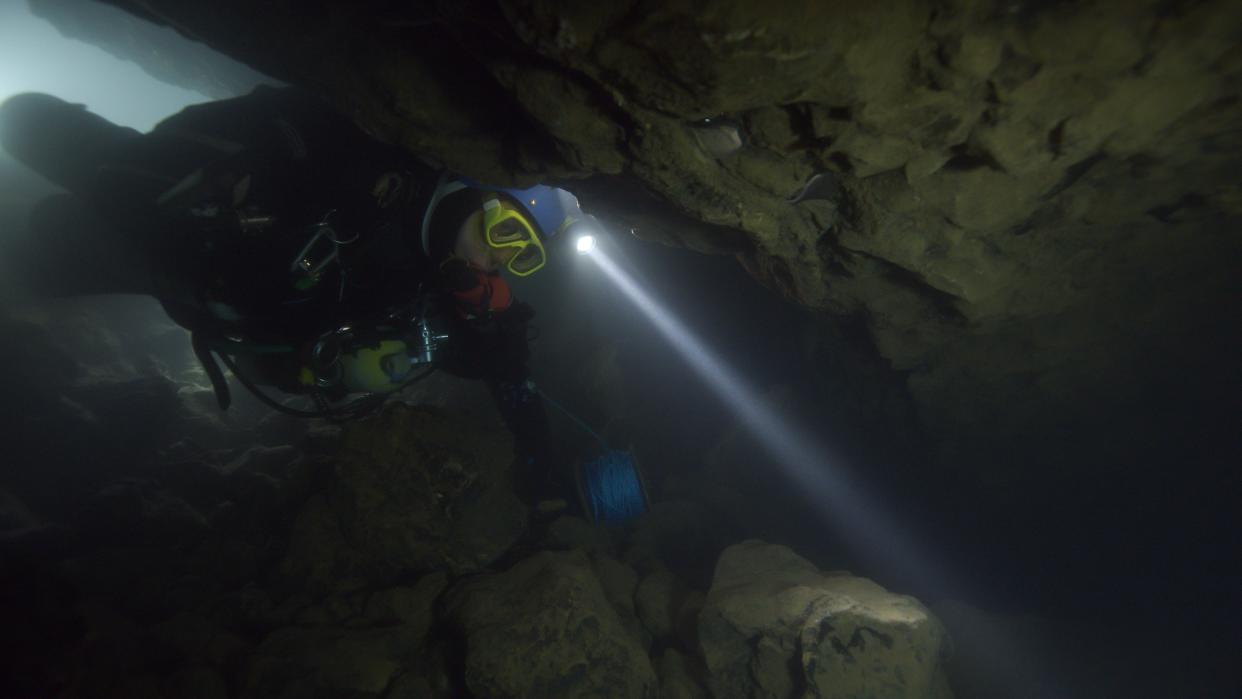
[(774, 626)]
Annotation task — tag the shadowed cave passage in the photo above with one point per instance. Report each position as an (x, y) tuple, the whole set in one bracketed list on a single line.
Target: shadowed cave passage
[(1000, 308)]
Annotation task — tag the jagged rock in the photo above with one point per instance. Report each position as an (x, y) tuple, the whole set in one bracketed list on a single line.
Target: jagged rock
[(190, 471), (411, 606), (136, 512), (160, 51), (678, 677), (687, 619), (276, 429), (773, 625), (620, 582), (1008, 181), (545, 628), (659, 598), (272, 461), (329, 662), (343, 610), (432, 684), (410, 490), (682, 534), (321, 438), (233, 562), (136, 413)]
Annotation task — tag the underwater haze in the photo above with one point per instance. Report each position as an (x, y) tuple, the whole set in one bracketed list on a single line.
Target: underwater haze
[(667, 466), (37, 58)]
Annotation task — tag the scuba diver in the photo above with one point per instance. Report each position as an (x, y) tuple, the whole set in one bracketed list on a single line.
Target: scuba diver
[(306, 255)]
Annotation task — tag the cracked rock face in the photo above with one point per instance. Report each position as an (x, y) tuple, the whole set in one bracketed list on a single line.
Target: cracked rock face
[(1025, 204), (408, 492), (545, 628), (774, 626)]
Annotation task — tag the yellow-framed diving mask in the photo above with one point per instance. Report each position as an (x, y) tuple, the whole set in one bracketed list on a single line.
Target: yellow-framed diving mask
[(504, 226)]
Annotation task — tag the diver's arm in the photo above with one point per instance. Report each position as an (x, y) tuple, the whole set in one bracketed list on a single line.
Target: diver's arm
[(521, 408)]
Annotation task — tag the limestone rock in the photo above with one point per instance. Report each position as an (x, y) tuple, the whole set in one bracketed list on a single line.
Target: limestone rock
[(678, 677), (268, 460), (618, 581), (659, 598), (134, 511), (411, 606), (687, 619), (327, 661), (773, 625), (569, 532), (545, 628), (409, 490), (1009, 180)]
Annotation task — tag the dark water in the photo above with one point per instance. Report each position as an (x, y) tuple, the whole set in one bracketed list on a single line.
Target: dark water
[(1135, 552)]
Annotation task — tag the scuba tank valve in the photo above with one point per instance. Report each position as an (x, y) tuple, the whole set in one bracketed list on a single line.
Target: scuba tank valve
[(381, 361)]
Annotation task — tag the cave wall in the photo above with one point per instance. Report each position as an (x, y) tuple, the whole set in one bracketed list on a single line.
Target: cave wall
[(1027, 205)]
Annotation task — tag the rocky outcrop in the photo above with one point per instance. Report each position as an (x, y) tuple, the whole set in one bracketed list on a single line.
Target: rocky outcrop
[(411, 490), (545, 628), (1016, 205), (774, 626)]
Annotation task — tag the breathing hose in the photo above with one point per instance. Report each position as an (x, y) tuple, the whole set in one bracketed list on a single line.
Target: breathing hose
[(355, 408)]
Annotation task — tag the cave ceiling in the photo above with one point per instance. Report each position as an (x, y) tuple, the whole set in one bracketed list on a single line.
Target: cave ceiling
[(1012, 197)]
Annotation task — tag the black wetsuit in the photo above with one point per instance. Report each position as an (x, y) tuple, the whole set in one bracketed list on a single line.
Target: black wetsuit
[(160, 214)]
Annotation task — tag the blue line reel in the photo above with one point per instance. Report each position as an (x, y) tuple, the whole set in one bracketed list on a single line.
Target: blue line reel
[(611, 488)]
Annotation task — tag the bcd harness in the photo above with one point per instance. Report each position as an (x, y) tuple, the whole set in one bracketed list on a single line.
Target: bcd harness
[(374, 358)]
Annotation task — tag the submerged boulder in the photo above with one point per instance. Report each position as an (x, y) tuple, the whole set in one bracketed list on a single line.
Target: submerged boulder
[(774, 626), (330, 661), (410, 490), (546, 628)]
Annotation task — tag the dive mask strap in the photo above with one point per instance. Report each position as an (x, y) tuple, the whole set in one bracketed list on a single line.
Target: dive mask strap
[(443, 189)]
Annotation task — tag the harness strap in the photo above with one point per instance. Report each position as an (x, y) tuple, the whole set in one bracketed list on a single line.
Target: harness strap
[(219, 385)]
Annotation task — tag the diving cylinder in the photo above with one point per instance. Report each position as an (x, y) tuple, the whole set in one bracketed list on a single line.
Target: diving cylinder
[(387, 367)]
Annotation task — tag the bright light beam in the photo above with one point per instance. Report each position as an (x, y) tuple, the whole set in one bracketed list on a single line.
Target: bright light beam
[(801, 459)]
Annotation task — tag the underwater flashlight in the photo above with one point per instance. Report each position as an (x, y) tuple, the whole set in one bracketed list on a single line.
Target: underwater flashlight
[(586, 243)]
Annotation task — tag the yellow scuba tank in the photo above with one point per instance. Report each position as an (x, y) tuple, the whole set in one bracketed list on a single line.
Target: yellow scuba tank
[(380, 369), (341, 362)]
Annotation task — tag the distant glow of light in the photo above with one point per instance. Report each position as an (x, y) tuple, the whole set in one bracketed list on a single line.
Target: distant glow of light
[(35, 57), (807, 463), (586, 243)]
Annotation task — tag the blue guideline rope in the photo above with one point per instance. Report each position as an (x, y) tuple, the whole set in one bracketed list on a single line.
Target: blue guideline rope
[(613, 491), (530, 385), (612, 488)]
